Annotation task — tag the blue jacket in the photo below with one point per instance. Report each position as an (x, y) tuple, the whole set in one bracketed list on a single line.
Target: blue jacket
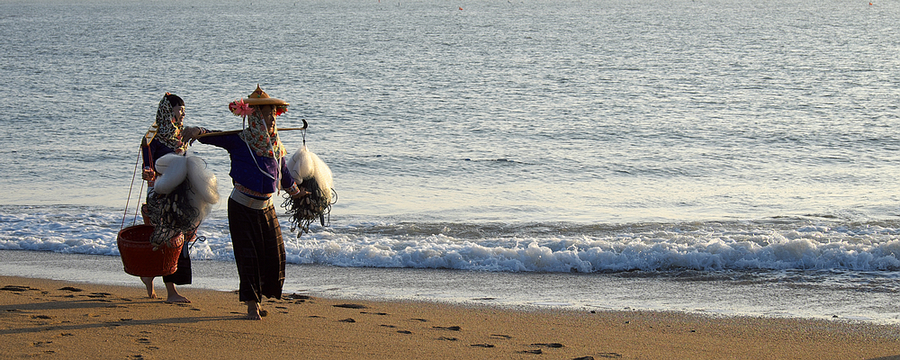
[(250, 170), (153, 152)]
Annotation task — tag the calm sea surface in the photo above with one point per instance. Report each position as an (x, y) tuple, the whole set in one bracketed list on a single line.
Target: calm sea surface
[(735, 157)]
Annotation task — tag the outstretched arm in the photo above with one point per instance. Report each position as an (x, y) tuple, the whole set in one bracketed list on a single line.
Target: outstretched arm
[(191, 132)]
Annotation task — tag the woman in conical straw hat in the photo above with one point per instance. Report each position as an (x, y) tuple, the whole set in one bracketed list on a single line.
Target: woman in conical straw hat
[(258, 172), (165, 137)]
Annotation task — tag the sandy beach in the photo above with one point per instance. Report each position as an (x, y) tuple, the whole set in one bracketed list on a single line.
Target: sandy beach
[(67, 320)]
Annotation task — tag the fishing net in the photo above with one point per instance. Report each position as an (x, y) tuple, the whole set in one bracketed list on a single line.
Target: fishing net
[(305, 210), (172, 214), (315, 181)]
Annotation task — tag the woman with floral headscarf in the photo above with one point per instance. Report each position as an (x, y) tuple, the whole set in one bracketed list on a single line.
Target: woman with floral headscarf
[(165, 137), (258, 171)]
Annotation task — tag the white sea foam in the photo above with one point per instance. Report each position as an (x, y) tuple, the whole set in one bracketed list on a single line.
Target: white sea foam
[(661, 248), (849, 270)]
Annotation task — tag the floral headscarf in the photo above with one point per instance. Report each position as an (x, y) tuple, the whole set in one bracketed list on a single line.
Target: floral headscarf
[(167, 128), (257, 136)]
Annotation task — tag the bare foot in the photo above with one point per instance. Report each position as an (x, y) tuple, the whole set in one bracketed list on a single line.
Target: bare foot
[(148, 282), (173, 299), (173, 295), (254, 312)]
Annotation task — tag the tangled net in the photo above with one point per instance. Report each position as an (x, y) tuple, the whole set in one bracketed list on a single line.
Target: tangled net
[(306, 209), (172, 214)]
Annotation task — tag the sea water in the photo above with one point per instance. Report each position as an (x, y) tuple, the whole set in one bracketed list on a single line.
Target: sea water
[(727, 157)]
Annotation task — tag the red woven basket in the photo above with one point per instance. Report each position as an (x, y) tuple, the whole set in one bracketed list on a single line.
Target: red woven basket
[(138, 256)]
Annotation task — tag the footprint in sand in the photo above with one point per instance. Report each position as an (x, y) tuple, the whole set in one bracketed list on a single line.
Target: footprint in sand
[(43, 317), (99, 296), (447, 338), (499, 336), (350, 306), (348, 320), (539, 351), (17, 288), (404, 332), (373, 313), (451, 328), (482, 345), (72, 289)]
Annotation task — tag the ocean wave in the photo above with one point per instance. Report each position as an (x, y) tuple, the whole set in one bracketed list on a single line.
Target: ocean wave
[(663, 247), (782, 244)]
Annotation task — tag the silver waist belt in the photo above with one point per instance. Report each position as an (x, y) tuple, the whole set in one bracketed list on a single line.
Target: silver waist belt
[(250, 202)]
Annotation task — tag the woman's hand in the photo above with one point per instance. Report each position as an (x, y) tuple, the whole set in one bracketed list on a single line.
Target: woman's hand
[(148, 174), (300, 194), (190, 133)]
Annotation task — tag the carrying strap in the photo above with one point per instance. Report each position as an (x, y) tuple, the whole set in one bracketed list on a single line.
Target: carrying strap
[(130, 188)]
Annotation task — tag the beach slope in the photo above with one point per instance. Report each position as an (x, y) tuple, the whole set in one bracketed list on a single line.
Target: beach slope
[(66, 320)]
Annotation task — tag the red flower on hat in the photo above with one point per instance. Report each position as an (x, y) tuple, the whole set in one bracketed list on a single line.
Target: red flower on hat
[(240, 108)]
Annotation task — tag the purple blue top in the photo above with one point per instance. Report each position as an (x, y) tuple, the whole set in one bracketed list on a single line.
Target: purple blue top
[(252, 172)]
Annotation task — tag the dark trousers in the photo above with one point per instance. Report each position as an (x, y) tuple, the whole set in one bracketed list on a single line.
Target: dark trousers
[(258, 251), (182, 275)]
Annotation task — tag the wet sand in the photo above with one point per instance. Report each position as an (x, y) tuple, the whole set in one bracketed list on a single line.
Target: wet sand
[(67, 320)]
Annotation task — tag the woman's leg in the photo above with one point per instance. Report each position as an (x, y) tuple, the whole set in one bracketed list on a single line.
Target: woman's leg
[(148, 282), (182, 276), (245, 227)]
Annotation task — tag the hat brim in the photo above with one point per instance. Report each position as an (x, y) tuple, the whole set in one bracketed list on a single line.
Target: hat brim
[(265, 101)]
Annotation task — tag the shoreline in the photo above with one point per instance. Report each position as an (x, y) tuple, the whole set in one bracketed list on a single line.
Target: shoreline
[(63, 319), (524, 290)]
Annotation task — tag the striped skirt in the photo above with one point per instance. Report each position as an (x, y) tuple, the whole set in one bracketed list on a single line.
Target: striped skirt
[(258, 251)]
